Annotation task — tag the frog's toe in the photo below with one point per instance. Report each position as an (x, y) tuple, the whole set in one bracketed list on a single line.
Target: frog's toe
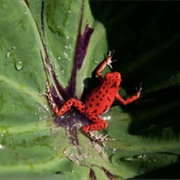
[(100, 138)]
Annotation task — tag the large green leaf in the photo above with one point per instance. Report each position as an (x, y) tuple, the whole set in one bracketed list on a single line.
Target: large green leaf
[(60, 42)]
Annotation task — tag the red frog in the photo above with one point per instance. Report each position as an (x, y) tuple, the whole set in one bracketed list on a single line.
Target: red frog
[(99, 100)]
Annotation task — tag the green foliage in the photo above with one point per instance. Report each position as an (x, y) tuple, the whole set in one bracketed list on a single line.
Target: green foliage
[(146, 40)]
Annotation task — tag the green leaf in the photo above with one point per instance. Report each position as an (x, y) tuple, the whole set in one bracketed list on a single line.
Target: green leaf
[(62, 43)]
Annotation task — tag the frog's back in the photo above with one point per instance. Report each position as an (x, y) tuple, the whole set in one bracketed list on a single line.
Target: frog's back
[(100, 99)]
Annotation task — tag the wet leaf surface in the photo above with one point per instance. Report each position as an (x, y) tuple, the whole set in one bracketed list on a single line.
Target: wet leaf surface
[(62, 43)]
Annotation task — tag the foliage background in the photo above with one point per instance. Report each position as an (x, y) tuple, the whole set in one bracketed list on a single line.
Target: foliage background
[(146, 39)]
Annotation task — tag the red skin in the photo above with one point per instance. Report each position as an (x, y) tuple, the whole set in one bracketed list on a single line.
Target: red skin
[(99, 100)]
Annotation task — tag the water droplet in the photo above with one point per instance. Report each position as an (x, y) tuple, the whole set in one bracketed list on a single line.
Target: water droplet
[(62, 71), (58, 27), (66, 55), (58, 58), (10, 52), (18, 65), (1, 147), (96, 62), (66, 46), (141, 157)]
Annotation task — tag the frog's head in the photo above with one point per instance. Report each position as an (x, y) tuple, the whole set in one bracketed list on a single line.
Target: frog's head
[(113, 79), (113, 76)]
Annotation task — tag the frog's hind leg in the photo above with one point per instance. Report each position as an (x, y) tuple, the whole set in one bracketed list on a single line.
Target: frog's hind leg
[(68, 104), (98, 123)]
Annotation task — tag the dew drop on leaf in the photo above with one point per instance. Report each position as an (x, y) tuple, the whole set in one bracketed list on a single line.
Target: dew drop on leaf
[(1, 147), (141, 157), (96, 62), (18, 65), (58, 58), (66, 55), (10, 52)]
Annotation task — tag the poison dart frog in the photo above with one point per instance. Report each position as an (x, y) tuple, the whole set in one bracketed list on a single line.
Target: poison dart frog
[(99, 100)]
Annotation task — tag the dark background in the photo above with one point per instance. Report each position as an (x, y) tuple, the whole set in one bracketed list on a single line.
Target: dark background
[(146, 37)]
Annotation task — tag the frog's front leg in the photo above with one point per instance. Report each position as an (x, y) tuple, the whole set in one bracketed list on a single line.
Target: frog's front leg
[(130, 99), (106, 62)]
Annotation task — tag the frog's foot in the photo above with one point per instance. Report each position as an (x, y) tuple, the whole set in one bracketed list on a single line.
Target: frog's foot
[(100, 138), (111, 53), (139, 89), (109, 58)]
